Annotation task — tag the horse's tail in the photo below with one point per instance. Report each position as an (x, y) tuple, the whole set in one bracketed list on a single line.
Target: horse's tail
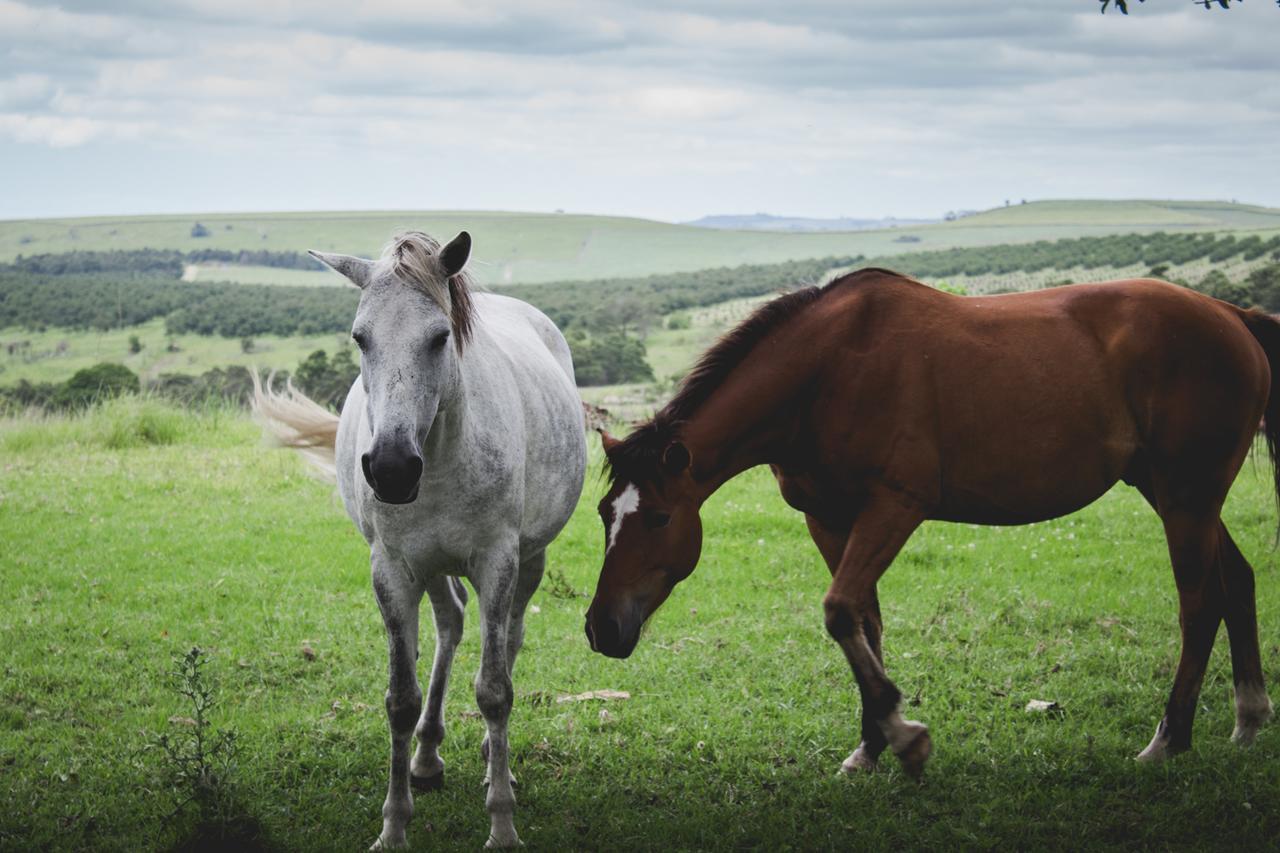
[(295, 420), (1266, 330)]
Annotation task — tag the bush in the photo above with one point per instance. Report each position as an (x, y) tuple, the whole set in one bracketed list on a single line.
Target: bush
[(100, 382), (326, 380), (610, 359)]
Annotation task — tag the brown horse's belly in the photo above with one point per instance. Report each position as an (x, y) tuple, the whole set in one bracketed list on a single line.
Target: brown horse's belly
[(1035, 479)]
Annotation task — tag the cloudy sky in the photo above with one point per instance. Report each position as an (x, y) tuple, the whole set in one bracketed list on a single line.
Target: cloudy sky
[(651, 108)]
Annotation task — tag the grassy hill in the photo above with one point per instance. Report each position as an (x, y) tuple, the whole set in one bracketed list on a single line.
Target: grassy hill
[(533, 247)]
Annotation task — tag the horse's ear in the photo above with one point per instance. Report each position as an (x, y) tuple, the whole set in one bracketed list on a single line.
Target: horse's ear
[(608, 442), (676, 458), (357, 270), (453, 257)]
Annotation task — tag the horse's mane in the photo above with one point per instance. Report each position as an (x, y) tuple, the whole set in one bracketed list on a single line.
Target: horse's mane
[(637, 456), (413, 258)]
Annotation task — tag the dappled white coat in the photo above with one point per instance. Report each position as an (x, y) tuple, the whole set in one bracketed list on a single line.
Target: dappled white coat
[(505, 456)]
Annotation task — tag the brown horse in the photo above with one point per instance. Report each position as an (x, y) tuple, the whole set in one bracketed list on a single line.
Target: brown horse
[(880, 402)]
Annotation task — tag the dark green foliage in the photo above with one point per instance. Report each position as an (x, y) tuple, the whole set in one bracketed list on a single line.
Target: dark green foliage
[(1264, 287), (221, 384), (636, 301), (1261, 289), (28, 395), (96, 383), (608, 359), (327, 380), (106, 301)]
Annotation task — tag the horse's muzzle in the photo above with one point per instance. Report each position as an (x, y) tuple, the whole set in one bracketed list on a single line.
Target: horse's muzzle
[(608, 636), (393, 475)]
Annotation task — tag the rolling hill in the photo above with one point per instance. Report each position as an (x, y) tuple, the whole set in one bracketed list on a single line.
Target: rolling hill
[(517, 248)]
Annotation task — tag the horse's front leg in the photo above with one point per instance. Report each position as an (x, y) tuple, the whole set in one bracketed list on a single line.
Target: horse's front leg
[(853, 621), (448, 604), (398, 599), (495, 579), (531, 571), (831, 540)]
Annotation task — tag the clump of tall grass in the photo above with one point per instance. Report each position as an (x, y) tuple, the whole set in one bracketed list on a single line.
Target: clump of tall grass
[(124, 423)]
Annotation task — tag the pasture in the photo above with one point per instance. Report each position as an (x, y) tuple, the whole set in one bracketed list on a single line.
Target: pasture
[(137, 531)]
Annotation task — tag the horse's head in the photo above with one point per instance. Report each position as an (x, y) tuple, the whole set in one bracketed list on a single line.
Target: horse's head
[(414, 303), (653, 536)]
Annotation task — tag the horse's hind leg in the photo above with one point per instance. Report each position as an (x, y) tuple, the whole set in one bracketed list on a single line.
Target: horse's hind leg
[(831, 545), (1194, 540), (448, 604), (1253, 707)]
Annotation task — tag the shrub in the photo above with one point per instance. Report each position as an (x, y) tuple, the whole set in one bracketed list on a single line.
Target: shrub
[(100, 382)]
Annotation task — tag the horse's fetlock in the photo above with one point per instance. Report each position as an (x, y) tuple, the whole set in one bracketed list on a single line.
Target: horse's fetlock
[(431, 731)]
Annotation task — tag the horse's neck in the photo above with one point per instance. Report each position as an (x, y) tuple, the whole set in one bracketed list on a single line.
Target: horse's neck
[(747, 418)]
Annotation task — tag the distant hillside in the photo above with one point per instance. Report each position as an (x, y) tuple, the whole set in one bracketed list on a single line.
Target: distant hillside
[(519, 248), (769, 222)]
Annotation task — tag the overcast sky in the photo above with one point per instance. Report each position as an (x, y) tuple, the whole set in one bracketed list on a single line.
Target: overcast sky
[(659, 109)]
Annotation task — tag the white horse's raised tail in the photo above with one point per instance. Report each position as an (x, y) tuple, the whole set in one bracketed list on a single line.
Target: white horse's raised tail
[(460, 453)]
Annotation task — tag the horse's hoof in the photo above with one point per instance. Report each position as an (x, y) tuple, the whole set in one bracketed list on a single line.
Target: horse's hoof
[(1160, 749), (916, 754), (427, 783), (495, 843), (1253, 710), (859, 761), (381, 843)]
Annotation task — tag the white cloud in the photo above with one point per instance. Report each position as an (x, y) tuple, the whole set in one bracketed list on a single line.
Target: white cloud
[(821, 106)]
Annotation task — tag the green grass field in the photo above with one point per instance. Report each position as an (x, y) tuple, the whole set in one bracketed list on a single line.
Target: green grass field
[(55, 354), (533, 247), (137, 531)]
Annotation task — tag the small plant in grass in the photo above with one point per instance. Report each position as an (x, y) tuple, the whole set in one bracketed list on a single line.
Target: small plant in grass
[(199, 764), (556, 585)]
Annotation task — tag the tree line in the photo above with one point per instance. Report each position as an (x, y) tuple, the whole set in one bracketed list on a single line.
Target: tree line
[(1119, 250)]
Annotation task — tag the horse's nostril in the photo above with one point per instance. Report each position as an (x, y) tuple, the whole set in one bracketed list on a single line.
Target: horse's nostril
[(367, 465), (413, 469)]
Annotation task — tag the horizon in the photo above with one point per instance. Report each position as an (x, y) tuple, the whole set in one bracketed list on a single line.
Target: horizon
[(936, 219)]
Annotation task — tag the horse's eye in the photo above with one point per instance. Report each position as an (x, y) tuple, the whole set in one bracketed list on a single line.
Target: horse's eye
[(656, 519), (359, 338), (439, 340)]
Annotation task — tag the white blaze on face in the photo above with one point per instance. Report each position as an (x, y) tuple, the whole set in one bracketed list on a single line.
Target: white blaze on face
[(623, 505)]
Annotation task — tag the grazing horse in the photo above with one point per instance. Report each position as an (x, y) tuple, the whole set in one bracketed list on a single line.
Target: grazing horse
[(460, 453), (880, 402)]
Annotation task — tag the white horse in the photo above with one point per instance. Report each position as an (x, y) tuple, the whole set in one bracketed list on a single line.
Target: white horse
[(460, 453)]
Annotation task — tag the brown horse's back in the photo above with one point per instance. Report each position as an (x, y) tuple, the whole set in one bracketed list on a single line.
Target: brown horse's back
[(1016, 408)]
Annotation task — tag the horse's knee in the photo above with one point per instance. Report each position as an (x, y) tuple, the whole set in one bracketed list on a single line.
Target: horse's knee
[(494, 695), (403, 708), (841, 616)]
